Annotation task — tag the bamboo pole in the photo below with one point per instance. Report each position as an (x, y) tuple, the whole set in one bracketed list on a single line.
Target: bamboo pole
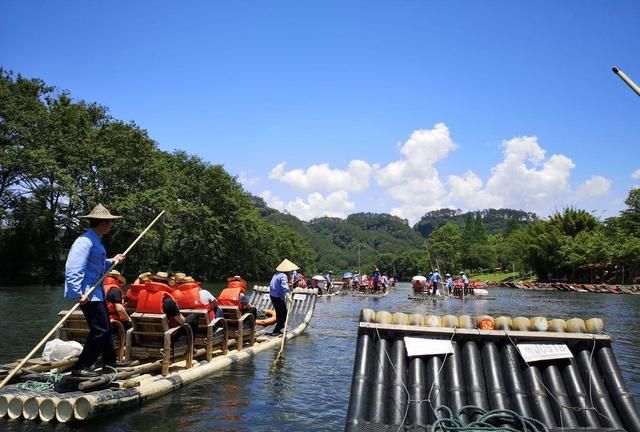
[(286, 325), (627, 80), (73, 309)]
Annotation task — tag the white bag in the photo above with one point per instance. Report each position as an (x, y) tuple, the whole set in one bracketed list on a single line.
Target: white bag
[(56, 350)]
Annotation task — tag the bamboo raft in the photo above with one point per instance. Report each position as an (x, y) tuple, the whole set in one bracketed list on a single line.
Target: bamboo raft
[(484, 366), (370, 293), (442, 298), (133, 386)]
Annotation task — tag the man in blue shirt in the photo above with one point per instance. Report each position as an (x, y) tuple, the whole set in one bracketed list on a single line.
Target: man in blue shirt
[(449, 283), (435, 280), (86, 263), (465, 282), (279, 292)]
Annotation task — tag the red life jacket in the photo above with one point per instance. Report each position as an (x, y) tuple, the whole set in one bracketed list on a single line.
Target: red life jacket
[(107, 284), (237, 284), (151, 298), (188, 296), (131, 296), (231, 297), (111, 307)]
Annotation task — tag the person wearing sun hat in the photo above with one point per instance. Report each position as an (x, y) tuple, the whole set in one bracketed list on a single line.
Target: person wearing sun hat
[(86, 263), (449, 283), (279, 291)]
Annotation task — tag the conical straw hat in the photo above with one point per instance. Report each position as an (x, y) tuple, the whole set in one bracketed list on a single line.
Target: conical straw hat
[(286, 266), (100, 212), (117, 275)]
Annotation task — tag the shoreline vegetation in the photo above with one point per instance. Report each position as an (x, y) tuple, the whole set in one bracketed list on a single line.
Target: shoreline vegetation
[(60, 156)]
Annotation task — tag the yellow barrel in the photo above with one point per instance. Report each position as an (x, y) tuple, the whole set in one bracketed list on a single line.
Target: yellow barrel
[(520, 323), (416, 319), (503, 323), (576, 325), (467, 322), (384, 317), (367, 315), (400, 318), (486, 322), (432, 321), (595, 325), (539, 324), (558, 325), (450, 321)]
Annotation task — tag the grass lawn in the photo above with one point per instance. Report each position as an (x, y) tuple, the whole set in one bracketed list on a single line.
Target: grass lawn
[(495, 277)]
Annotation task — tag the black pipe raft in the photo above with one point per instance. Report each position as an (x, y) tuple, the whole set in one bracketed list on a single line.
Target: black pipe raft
[(391, 391)]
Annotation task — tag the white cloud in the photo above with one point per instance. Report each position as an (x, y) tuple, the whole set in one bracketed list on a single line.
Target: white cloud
[(636, 174), (526, 179), (246, 180), (354, 179), (335, 204), (272, 201), (594, 187), (421, 151)]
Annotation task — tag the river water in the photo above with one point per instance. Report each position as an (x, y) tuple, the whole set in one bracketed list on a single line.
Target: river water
[(309, 391)]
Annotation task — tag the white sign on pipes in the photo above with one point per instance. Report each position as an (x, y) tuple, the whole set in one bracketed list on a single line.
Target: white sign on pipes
[(419, 346), (531, 352)]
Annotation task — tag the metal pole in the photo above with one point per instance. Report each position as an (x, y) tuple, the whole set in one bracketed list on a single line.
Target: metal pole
[(627, 80)]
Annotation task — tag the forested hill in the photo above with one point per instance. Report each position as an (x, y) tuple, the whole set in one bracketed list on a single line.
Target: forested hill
[(337, 242), (495, 221)]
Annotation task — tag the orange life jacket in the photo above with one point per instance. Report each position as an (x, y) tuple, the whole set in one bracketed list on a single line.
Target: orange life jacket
[(188, 296), (111, 307), (151, 298), (131, 296), (231, 296), (107, 284), (237, 284)]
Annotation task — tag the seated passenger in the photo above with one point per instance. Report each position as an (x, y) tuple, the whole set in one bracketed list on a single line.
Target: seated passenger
[(248, 307), (112, 285), (211, 302), (156, 298)]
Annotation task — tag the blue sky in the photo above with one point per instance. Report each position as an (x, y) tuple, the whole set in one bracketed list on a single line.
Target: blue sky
[(398, 107)]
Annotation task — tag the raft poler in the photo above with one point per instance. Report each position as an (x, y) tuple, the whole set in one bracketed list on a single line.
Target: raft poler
[(113, 295), (235, 294), (279, 293)]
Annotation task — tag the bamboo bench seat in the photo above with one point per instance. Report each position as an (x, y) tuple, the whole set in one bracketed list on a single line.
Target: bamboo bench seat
[(75, 328), (150, 337), (242, 328), (211, 335)]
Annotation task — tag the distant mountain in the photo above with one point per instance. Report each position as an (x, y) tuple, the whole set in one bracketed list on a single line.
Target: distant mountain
[(494, 220), (338, 242)]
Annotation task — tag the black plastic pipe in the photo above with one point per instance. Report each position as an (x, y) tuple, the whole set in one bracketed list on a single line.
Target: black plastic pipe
[(378, 389), (474, 378), (397, 393), (622, 399), (539, 398), (358, 401), (565, 416), (578, 396), (417, 392), (596, 388), (514, 382), (494, 379), (455, 381), (436, 387)]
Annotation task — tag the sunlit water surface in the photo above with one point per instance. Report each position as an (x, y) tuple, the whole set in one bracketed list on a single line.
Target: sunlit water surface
[(309, 390)]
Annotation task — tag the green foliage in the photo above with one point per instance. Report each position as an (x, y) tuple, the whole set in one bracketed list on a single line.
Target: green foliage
[(60, 157)]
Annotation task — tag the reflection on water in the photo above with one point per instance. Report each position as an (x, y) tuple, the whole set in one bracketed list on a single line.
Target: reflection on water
[(308, 388)]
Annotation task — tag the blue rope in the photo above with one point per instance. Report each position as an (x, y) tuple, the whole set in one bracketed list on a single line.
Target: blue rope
[(39, 386), (508, 420)]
